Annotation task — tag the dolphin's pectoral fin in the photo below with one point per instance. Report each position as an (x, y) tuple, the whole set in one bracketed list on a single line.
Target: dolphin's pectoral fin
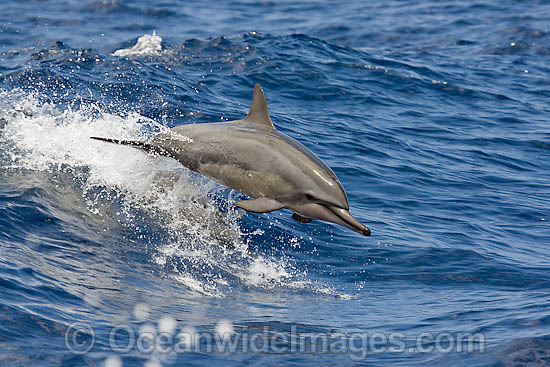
[(299, 218), (258, 113), (260, 205)]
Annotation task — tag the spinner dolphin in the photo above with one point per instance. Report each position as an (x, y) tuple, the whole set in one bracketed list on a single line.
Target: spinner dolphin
[(253, 157)]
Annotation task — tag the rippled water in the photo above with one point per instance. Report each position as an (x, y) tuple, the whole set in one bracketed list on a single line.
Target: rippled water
[(434, 115)]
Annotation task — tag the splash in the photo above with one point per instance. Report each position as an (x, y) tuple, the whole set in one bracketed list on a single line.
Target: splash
[(202, 245), (146, 45)]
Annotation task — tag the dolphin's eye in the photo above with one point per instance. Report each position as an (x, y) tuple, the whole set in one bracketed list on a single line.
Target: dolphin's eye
[(310, 197)]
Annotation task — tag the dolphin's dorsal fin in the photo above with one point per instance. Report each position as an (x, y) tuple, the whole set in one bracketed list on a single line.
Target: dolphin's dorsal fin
[(258, 113)]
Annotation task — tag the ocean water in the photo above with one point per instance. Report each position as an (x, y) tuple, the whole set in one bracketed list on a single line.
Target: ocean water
[(433, 114)]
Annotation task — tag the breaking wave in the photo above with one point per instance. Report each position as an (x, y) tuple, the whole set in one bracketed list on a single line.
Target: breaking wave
[(185, 222)]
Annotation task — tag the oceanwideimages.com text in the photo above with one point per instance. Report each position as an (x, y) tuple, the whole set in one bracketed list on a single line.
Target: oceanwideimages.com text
[(81, 338)]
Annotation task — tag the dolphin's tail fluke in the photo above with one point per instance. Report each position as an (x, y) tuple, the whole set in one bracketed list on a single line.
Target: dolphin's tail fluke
[(143, 145)]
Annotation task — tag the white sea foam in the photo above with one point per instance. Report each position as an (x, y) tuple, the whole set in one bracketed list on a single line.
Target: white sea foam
[(204, 248), (146, 45)]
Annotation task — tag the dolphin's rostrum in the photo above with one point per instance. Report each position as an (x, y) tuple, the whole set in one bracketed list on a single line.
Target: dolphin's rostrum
[(251, 156)]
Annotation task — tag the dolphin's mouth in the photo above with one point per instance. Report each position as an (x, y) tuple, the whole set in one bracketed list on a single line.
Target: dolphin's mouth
[(328, 213), (348, 220)]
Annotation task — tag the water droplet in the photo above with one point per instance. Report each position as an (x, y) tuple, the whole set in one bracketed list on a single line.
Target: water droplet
[(113, 361), (141, 311), (224, 328), (167, 324)]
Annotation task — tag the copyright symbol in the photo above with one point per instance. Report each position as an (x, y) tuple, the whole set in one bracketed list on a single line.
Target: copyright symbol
[(79, 338)]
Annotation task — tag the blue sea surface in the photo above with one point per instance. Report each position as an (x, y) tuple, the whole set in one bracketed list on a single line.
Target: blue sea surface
[(433, 114)]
